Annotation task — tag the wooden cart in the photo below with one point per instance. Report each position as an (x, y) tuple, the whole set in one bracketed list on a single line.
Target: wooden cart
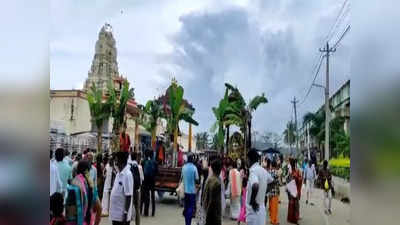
[(167, 180)]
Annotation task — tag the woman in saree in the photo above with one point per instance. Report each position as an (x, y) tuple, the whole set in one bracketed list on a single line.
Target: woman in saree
[(83, 205), (294, 207)]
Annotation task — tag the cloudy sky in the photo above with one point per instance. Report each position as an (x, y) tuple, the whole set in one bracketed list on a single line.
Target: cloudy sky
[(258, 45)]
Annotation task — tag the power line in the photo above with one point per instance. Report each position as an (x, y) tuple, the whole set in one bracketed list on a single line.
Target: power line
[(341, 37), (335, 24), (338, 21), (338, 25), (316, 60), (318, 66), (330, 35)]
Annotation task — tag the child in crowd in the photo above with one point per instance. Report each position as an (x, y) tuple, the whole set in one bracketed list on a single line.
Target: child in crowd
[(56, 209)]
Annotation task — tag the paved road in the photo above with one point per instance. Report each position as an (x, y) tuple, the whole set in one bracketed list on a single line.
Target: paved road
[(168, 212)]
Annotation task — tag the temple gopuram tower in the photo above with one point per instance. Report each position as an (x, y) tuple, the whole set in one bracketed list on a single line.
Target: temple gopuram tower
[(104, 64)]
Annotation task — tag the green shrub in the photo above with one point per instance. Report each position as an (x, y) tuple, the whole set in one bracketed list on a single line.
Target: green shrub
[(339, 162), (343, 172)]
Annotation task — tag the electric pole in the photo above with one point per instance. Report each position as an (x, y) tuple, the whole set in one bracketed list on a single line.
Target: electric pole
[(295, 125), (327, 51), (308, 141)]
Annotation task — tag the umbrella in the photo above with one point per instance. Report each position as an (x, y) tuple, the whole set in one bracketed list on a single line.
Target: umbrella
[(270, 150)]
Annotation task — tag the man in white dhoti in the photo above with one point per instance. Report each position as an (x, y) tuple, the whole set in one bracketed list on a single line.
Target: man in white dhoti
[(105, 202), (259, 178)]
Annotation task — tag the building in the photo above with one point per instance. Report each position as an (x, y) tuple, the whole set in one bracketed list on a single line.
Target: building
[(69, 109), (339, 104), (70, 120), (183, 141), (104, 64)]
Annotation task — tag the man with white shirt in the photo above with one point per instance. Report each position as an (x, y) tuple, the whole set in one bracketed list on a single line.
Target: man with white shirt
[(310, 175), (258, 181), (121, 207), (136, 170), (55, 182), (107, 173)]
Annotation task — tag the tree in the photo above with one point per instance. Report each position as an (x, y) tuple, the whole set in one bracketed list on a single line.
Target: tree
[(177, 111), (234, 114), (272, 139), (342, 146), (197, 137), (241, 113), (233, 110), (317, 125), (118, 110), (252, 106), (340, 142), (202, 140), (289, 134), (100, 111), (219, 113), (153, 111), (214, 141)]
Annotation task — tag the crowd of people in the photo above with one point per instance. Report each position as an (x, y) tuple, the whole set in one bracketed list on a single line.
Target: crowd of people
[(84, 187), (254, 188)]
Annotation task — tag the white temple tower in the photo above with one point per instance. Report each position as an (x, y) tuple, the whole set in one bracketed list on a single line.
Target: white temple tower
[(104, 64)]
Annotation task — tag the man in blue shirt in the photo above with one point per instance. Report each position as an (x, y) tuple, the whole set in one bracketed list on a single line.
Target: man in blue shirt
[(64, 170), (190, 177)]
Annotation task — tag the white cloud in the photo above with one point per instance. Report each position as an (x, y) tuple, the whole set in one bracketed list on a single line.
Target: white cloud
[(260, 46)]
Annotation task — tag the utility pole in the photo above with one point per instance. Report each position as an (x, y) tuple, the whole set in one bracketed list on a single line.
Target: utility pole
[(289, 138), (308, 141), (295, 125), (327, 51)]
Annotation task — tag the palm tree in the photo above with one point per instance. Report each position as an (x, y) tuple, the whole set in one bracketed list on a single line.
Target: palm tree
[(153, 111), (241, 113), (234, 113), (118, 110), (177, 111), (251, 107), (219, 113), (289, 134), (100, 110)]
